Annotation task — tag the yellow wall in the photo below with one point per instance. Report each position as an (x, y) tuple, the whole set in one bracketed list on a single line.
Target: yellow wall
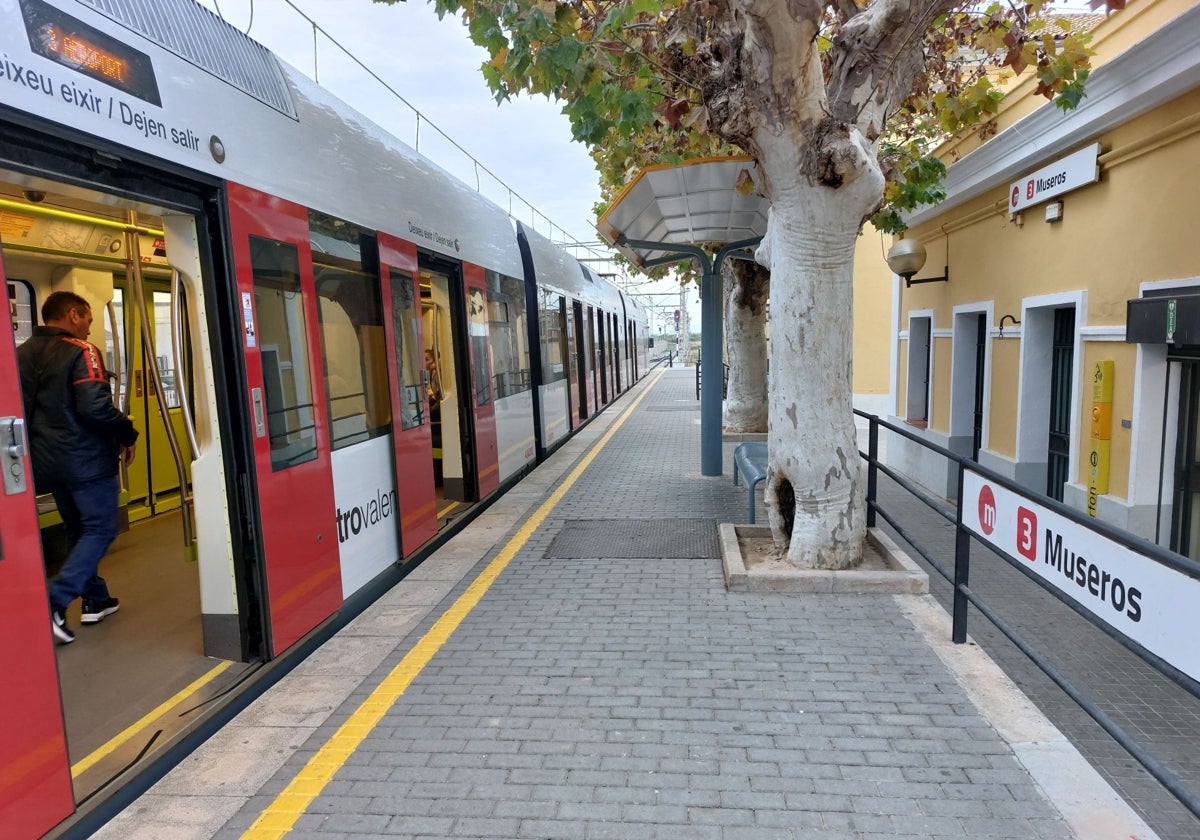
[(1112, 37), (1137, 224), (940, 411), (1002, 400), (872, 313), (1150, 177)]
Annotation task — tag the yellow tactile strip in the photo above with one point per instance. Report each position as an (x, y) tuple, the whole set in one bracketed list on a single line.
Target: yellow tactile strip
[(281, 815)]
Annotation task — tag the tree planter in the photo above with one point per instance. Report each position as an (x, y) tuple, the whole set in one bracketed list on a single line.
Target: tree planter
[(751, 564)]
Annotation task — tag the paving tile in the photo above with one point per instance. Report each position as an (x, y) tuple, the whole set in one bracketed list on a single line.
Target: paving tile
[(623, 696)]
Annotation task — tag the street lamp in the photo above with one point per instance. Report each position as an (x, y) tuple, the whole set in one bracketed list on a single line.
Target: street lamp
[(907, 257)]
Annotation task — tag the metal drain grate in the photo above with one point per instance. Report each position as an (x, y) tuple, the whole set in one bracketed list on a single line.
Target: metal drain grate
[(620, 539)]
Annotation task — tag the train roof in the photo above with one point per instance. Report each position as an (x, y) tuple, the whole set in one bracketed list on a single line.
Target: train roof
[(207, 102), (634, 309), (557, 270), (610, 295)]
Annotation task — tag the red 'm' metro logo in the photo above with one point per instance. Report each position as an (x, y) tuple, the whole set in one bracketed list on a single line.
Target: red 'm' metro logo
[(987, 510)]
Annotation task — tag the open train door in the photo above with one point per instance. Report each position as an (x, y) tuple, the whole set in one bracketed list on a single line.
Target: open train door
[(487, 459), (294, 478), (411, 433), (35, 772)]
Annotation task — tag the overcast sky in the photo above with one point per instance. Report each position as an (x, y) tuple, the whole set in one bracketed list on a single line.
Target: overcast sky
[(432, 64)]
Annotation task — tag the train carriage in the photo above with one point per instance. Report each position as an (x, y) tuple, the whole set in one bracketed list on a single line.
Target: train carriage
[(637, 338), (332, 350)]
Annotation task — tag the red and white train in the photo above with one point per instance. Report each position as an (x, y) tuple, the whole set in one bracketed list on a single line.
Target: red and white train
[(331, 348)]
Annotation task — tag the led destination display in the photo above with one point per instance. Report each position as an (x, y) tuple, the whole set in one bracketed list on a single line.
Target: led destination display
[(74, 44)]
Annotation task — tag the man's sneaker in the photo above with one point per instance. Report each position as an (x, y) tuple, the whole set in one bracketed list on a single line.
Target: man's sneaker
[(94, 611), (58, 623)]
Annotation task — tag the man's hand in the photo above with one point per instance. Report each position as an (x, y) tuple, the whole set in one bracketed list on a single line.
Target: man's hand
[(127, 453)]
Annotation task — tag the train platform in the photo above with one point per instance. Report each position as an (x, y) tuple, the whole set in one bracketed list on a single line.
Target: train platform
[(572, 666)]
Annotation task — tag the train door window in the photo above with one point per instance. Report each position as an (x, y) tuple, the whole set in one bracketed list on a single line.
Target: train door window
[(415, 378), (353, 349), (616, 348), (478, 326), (591, 350), (599, 358), (552, 318), (508, 334), (116, 347), (164, 353), (578, 345), (156, 477), (283, 339), (606, 354), (630, 350)]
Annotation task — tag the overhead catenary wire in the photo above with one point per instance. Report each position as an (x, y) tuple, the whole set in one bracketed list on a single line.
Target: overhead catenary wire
[(317, 28), (594, 247)]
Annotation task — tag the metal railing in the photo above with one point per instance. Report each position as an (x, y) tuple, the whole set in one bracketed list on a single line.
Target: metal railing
[(963, 595), (724, 380)]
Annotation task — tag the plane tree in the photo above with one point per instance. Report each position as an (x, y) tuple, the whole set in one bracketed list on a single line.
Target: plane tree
[(840, 103)]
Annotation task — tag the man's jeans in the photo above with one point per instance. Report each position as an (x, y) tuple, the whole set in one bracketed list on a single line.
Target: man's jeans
[(89, 514)]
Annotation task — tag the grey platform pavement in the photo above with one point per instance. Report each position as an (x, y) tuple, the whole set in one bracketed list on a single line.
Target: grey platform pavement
[(605, 685)]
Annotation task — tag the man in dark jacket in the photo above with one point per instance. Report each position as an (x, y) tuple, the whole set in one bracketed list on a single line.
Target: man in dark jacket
[(77, 439)]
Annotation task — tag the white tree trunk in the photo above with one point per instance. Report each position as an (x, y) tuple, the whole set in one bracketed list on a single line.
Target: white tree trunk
[(814, 491), (746, 288)]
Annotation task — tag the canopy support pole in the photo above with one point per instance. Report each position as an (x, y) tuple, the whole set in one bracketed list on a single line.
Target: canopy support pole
[(712, 359)]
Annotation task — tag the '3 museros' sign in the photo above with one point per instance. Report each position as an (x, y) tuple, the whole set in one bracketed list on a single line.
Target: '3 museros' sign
[(1150, 603), (1064, 175)]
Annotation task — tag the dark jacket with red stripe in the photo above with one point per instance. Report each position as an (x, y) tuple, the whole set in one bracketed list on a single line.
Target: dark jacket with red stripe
[(75, 431)]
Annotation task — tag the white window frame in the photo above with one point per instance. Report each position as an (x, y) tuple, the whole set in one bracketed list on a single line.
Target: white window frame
[(1033, 409), (962, 370)]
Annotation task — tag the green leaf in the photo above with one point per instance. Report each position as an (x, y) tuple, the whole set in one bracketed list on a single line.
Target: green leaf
[(888, 220)]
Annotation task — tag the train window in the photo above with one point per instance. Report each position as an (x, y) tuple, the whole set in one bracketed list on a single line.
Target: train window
[(404, 325), (353, 349), (508, 334), (552, 316), (283, 339), (477, 315), (21, 310)]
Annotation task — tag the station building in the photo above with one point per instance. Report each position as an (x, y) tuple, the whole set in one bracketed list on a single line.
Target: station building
[(1057, 338)]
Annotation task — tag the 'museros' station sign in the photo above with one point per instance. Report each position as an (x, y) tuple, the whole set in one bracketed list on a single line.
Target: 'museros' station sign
[(1150, 603), (1069, 173)]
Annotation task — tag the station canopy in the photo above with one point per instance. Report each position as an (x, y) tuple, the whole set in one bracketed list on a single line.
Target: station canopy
[(695, 203)]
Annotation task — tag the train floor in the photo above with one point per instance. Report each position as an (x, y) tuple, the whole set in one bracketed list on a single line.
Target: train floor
[(571, 665), (448, 510), (139, 679), (135, 680)]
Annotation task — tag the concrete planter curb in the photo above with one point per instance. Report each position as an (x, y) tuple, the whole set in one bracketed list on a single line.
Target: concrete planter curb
[(901, 576)]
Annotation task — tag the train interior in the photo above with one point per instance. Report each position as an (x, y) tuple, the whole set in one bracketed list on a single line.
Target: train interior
[(131, 682), (135, 679), (441, 292)]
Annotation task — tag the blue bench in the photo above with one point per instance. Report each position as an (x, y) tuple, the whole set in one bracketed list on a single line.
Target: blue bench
[(750, 459)]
